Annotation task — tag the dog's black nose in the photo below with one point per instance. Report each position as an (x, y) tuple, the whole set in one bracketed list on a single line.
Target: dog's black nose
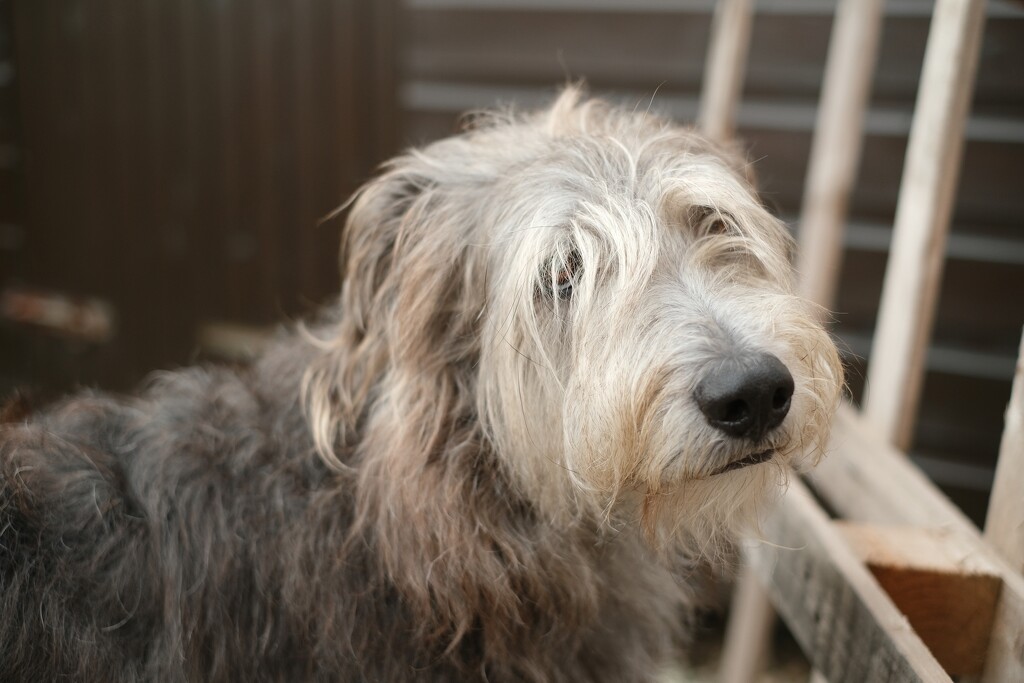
[(747, 396)]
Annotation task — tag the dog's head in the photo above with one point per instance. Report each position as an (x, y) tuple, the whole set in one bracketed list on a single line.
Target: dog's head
[(599, 296)]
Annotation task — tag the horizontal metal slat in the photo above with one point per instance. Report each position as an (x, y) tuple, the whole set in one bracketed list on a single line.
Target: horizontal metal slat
[(439, 96)]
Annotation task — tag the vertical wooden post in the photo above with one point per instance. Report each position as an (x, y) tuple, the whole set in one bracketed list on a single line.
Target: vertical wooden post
[(835, 152), (748, 634), (725, 68), (1004, 527), (750, 626), (835, 156), (927, 189)]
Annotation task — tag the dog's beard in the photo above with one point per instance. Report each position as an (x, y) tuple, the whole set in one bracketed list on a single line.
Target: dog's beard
[(703, 517), (683, 484)]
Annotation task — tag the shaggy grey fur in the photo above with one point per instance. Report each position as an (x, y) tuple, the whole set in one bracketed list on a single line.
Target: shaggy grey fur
[(487, 464)]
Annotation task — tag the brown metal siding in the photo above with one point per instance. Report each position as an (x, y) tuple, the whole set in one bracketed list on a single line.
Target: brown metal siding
[(179, 155)]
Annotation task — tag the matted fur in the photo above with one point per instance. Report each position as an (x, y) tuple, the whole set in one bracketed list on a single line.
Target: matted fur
[(464, 472)]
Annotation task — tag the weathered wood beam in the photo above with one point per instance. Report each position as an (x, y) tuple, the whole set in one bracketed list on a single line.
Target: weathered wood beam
[(845, 623), (864, 479), (1004, 526), (835, 155), (725, 68), (948, 593), (835, 150), (927, 191), (748, 634)]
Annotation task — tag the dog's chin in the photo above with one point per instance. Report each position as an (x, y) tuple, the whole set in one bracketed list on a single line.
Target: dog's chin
[(702, 514)]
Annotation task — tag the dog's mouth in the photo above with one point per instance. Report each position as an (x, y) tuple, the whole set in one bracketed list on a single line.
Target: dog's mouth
[(753, 459)]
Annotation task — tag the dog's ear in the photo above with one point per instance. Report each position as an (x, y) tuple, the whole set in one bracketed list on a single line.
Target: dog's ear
[(414, 281), (406, 251), (409, 273), (370, 234)]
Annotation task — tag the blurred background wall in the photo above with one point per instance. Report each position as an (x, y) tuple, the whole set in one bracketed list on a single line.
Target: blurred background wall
[(172, 157), (170, 160)]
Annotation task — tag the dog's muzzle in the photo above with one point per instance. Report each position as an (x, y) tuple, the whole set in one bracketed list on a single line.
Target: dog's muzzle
[(746, 396)]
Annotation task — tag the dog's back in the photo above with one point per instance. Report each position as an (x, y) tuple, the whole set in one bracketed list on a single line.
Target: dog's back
[(192, 533), (147, 537), (64, 516)]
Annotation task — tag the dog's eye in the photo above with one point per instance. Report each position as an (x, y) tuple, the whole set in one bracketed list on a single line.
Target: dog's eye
[(708, 221), (563, 275), (716, 226)]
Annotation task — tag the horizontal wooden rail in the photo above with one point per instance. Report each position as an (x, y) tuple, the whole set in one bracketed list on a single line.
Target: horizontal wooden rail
[(845, 623), (864, 479), (948, 593)]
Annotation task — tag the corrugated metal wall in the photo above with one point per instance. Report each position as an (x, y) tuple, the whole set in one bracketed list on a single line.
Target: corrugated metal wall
[(178, 156), (12, 177)]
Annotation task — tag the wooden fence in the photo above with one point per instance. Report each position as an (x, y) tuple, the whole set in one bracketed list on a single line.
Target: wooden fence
[(876, 573)]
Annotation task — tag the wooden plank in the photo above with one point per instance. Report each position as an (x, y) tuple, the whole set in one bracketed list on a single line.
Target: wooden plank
[(751, 622), (1004, 526), (835, 151), (923, 211), (725, 68), (834, 159), (865, 479), (748, 633), (948, 593), (836, 610), (1006, 643)]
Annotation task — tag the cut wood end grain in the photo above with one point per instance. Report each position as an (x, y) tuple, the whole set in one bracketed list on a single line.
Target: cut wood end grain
[(948, 591)]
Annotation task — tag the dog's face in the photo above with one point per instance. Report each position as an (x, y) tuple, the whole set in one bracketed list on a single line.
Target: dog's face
[(604, 294)]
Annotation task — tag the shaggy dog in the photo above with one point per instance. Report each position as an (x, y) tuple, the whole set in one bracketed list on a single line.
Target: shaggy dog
[(566, 368)]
